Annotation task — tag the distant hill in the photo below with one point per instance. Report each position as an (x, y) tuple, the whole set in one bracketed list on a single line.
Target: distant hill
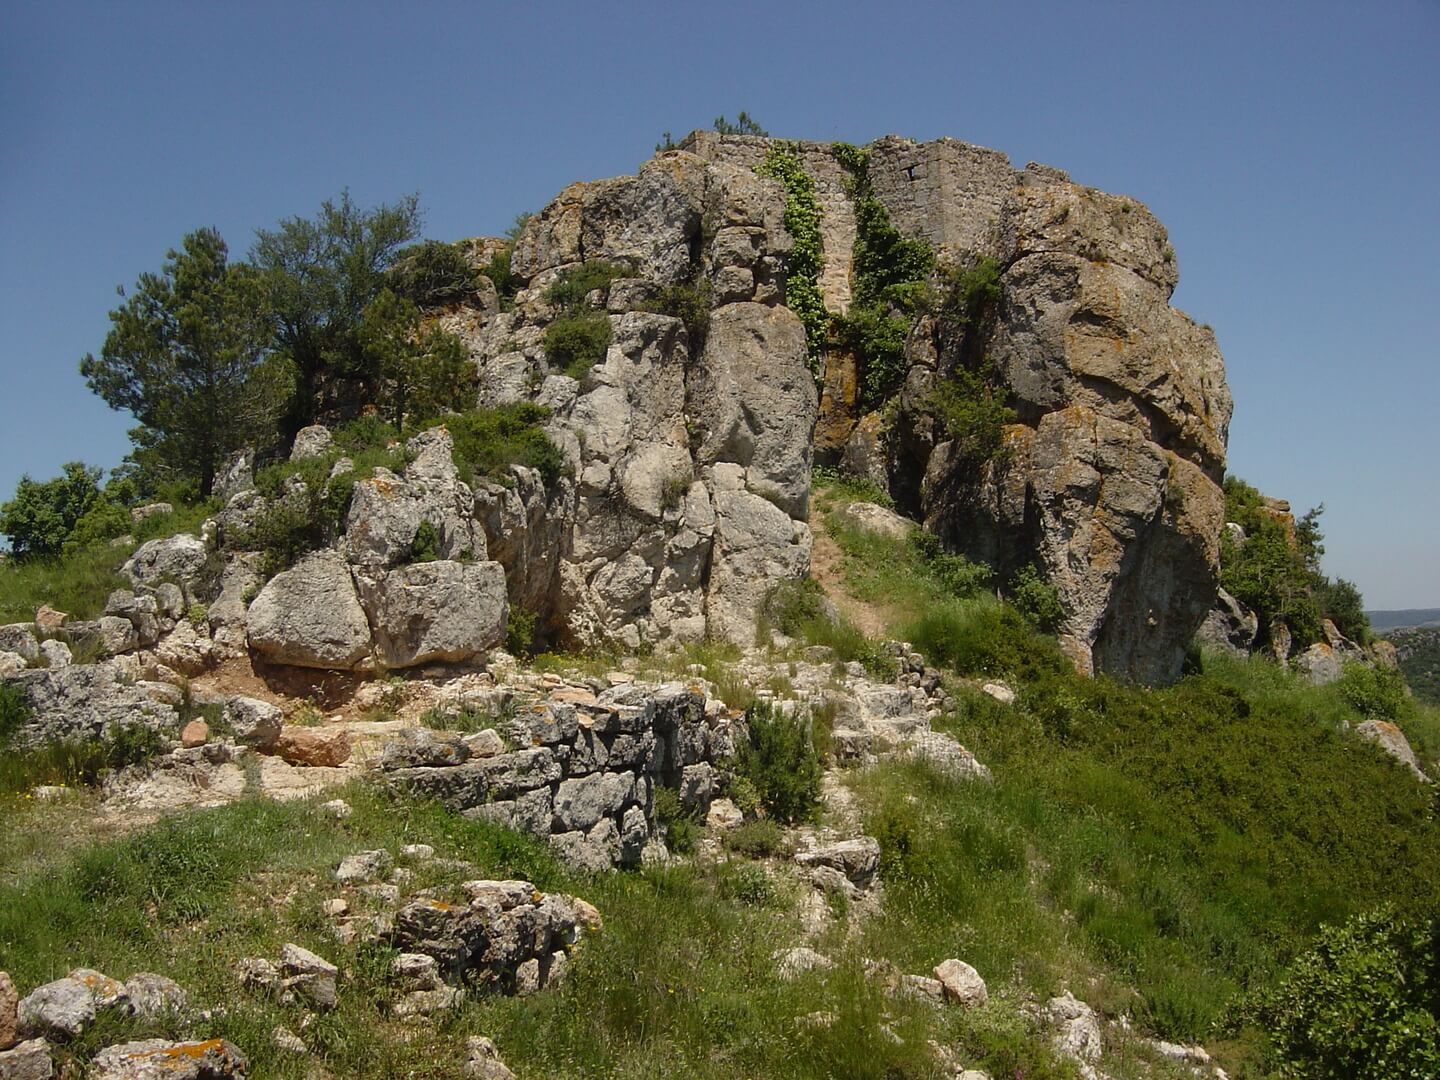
[(1419, 651), (1388, 620)]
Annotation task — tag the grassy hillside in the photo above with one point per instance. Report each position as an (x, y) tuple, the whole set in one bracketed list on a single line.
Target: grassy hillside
[(1168, 856)]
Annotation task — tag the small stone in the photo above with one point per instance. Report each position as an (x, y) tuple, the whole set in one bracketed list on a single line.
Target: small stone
[(401, 875), (57, 654), (338, 809), (962, 983), (295, 960), (724, 814), (417, 852), (212, 1059), (587, 914), (527, 978), (419, 1003), (27, 1061), (417, 970), (325, 747), (619, 678), (64, 1008), (385, 893), (48, 618), (365, 866), (485, 744), (336, 907), (1000, 692), (288, 1041), (484, 1062), (791, 963), (255, 723), (559, 968), (257, 973), (320, 991), (153, 997), (195, 733)]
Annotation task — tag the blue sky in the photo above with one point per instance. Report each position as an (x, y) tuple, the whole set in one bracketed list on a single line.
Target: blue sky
[(1293, 151)]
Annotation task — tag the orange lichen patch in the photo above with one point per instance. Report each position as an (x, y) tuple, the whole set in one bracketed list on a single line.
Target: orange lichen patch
[(437, 905), (1387, 727)]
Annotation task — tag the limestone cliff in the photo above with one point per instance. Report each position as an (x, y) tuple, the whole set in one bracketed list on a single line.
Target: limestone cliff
[(1110, 480)]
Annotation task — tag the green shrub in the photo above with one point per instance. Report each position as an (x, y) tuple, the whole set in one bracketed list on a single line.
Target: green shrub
[(681, 824), (520, 632), (1364, 1001), (842, 486), (779, 758), (488, 441), (80, 762), (465, 720), (572, 286), (41, 515), (1374, 692), (749, 884), (743, 125), (690, 303), (673, 490), (426, 545), (957, 575), (972, 414), (576, 343), (14, 712), (984, 639), (1037, 599), (77, 582), (758, 838), (432, 273)]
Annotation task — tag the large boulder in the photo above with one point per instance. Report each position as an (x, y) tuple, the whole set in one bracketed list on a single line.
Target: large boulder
[(310, 616), (182, 559), (435, 611)]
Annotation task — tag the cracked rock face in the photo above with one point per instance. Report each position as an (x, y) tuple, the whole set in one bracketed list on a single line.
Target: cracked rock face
[(1110, 480), (680, 420)]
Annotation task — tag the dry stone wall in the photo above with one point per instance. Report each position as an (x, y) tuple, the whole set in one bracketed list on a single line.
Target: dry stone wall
[(580, 773)]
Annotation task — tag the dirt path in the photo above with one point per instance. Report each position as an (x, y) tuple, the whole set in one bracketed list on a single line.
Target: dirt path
[(827, 566)]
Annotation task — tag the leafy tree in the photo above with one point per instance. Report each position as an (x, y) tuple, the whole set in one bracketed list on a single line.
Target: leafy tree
[(323, 272), (187, 356), (432, 273), (41, 516), (422, 371)]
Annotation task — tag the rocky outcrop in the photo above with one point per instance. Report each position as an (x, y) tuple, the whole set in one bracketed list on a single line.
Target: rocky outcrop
[(634, 549), (1110, 479), (88, 701)]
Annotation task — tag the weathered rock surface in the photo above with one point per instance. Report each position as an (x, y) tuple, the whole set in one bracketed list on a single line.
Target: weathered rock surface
[(88, 701), (9, 1002), (435, 611), (156, 1059), (1111, 478), (1392, 740), (963, 984), (180, 560), (29, 1060), (310, 616)]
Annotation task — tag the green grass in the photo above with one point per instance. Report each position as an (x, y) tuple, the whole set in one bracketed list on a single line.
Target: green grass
[(77, 583), (679, 984)]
